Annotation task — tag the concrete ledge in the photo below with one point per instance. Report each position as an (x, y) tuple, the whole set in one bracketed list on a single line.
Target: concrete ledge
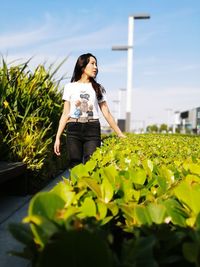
[(10, 170), (13, 177)]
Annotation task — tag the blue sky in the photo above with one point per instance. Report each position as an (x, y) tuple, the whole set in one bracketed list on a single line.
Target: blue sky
[(166, 58)]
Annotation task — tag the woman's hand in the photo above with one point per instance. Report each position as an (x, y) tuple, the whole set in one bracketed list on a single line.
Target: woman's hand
[(109, 118), (121, 135), (57, 147)]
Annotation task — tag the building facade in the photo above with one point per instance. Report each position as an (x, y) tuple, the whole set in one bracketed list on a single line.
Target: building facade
[(188, 121)]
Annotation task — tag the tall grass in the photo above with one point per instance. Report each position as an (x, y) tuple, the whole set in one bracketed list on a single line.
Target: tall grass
[(30, 107)]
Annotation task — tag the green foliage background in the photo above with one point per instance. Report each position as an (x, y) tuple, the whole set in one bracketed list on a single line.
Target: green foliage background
[(137, 198), (30, 108)]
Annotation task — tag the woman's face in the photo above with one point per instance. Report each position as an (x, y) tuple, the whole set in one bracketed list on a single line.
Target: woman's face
[(91, 69)]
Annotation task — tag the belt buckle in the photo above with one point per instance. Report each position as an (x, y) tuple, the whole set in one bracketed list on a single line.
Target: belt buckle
[(83, 119)]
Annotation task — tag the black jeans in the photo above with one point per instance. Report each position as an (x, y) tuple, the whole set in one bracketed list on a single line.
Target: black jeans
[(82, 141)]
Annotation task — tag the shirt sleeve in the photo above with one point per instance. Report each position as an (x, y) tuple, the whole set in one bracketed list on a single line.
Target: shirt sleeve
[(104, 98), (67, 92)]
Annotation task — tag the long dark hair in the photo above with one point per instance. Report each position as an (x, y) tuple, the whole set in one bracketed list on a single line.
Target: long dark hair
[(81, 63)]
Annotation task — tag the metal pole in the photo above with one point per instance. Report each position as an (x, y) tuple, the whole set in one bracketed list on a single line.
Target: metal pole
[(129, 72), (129, 49)]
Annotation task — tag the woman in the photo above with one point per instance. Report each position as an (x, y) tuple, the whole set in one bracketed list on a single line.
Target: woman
[(82, 98)]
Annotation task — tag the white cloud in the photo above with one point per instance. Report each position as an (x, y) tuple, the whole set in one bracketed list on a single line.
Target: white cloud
[(22, 39), (28, 36), (60, 35)]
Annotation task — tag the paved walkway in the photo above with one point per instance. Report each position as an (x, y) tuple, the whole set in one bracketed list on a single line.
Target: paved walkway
[(14, 209)]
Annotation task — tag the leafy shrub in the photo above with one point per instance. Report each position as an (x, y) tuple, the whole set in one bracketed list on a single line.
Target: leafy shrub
[(137, 197), (30, 108)]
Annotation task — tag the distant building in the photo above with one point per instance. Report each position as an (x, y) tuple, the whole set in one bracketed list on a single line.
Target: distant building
[(187, 121)]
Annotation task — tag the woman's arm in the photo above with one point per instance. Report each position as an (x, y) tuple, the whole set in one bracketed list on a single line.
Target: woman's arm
[(109, 118), (62, 123)]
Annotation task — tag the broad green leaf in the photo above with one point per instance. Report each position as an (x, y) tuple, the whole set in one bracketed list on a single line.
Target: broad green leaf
[(102, 210), (191, 179), (69, 212), (78, 196), (88, 207), (142, 215), (128, 211), (162, 182), (150, 196), (129, 194), (107, 159), (167, 174), (191, 221), (69, 197), (96, 175), (157, 212), (186, 165), (175, 212), (113, 207), (90, 165), (94, 186), (138, 176), (111, 174), (106, 190), (136, 194), (65, 192), (128, 191), (45, 204), (78, 172), (189, 194), (148, 166), (194, 168)]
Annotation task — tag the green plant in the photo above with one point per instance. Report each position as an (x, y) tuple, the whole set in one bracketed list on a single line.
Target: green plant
[(141, 198), (30, 108)]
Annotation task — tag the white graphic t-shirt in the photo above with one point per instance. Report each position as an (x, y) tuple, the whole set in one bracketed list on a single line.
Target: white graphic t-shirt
[(83, 100)]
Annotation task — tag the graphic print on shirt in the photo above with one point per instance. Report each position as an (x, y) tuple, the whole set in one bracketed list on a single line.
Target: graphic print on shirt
[(83, 107)]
